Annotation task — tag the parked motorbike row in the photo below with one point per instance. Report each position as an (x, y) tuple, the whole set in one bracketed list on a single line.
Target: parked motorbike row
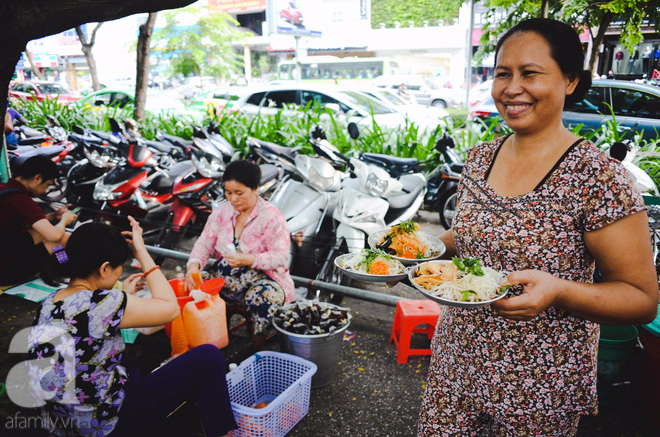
[(169, 184)]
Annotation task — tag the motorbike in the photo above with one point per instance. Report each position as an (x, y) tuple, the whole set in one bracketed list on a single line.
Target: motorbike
[(306, 197), (443, 182), (372, 200)]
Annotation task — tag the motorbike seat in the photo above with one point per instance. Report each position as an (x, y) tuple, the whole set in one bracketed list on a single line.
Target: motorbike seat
[(163, 184), (277, 149), (395, 166), (177, 141), (412, 186), (29, 132), (161, 147), (85, 138), (457, 167), (268, 172)]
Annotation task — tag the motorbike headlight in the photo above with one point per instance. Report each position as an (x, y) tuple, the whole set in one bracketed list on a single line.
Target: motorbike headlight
[(104, 192), (208, 165), (101, 160), (319, 182), (376, 186)]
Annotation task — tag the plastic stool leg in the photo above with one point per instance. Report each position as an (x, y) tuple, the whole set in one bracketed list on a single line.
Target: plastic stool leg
[(403, 345)]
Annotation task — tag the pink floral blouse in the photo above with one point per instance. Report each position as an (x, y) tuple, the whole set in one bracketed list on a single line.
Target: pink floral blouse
[(265, 235)]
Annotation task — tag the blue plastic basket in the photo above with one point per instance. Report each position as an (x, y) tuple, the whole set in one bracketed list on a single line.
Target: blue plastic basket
[(280, 380)]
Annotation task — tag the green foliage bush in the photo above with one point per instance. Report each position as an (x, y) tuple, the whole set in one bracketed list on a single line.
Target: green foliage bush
[(291, 127)]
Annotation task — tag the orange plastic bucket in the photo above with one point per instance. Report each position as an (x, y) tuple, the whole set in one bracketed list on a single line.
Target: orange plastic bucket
[(179, 287), (182, 301)]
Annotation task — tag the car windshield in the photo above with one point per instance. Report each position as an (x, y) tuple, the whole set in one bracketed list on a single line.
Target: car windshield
[(365, 103), (392, 98), (52, 88)]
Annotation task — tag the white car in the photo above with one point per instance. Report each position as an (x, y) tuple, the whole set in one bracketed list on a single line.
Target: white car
[(358, 106), (413, 111), (425, 92)]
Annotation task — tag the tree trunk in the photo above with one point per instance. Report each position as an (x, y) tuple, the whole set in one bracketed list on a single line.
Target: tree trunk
[(544, 9), (143, 50), (87, 47), (33, 67), (598, 40), (31, 19)]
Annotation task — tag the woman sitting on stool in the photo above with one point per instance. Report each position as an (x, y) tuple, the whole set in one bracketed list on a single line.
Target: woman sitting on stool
[(252, 242)]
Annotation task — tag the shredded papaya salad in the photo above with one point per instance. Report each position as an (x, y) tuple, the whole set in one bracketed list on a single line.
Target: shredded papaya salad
[(462, 280), (373, 262), (405, 240)]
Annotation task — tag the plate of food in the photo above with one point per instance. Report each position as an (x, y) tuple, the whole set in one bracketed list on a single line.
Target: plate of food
[(371, 265), (461, 283), (406, 243)]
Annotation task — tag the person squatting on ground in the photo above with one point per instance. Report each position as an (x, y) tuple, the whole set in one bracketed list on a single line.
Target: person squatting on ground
[(543, 206), (252, 241), (27, 236), (75, 344)]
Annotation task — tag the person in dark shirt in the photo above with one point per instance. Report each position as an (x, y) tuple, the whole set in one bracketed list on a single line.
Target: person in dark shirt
[(27, 235)]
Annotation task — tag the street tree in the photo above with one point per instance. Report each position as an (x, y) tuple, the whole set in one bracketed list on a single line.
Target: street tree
[(204, 47), (31, 19), (87, 47), (142, 74)]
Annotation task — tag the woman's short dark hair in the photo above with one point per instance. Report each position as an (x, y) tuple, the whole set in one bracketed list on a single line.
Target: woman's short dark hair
[(89, 246), (246, 172), (565, 49)]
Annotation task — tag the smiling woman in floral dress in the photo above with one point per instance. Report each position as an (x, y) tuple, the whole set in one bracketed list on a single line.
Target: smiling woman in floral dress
[(542, 205)]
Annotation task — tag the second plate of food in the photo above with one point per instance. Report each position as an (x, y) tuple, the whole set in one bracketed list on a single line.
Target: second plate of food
[(372, 266), (407, 244), (460, 283)]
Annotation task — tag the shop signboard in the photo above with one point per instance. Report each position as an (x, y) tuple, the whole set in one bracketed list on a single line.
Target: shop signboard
[(234, 6), (294, 17)]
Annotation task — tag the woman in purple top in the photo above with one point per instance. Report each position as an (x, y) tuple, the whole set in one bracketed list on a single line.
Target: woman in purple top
[(75, 345)]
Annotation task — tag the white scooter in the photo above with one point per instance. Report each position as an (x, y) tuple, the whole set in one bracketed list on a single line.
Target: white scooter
[(307, 197), (370, 202)]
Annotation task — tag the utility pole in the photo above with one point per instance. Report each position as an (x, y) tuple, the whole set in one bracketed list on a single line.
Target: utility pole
[(468, 55)]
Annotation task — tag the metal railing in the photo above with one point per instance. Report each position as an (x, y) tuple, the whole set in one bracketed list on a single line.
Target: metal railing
[(310, 284)]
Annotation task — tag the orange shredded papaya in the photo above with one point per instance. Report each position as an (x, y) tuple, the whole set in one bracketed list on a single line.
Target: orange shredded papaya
[(378, 268)]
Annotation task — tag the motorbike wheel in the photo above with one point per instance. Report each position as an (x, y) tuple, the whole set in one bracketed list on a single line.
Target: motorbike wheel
[(447, 208), (333, 275), (57, 191)]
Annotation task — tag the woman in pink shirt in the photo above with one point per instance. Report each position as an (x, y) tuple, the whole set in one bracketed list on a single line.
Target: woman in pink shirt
[(251, 240)]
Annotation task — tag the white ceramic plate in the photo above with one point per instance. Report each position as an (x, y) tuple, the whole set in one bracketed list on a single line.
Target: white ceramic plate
[(378, 236), (339, 262), (452, 303)]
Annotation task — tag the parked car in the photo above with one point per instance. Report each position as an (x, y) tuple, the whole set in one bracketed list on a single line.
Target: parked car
[(359, 106), (219, 98), (633, 104), (413, 111), (425, 92), (108, 97), (41, 91)]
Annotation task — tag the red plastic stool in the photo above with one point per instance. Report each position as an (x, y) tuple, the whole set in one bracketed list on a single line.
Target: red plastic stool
[(408, 315)]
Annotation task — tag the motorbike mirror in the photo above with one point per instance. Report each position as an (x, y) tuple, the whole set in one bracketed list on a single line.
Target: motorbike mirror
[(114, 126), (353, 130), (77, 129), (52, 120), (444, 143), (618, 151), (317, 133)]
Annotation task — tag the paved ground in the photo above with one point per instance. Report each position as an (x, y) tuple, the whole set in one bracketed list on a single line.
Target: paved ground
[(371, 394)]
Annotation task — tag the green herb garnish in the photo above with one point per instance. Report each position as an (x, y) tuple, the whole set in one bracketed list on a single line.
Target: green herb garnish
[(469, 265), (408, 226), (503, 289), (372, 254), (466, 294)]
